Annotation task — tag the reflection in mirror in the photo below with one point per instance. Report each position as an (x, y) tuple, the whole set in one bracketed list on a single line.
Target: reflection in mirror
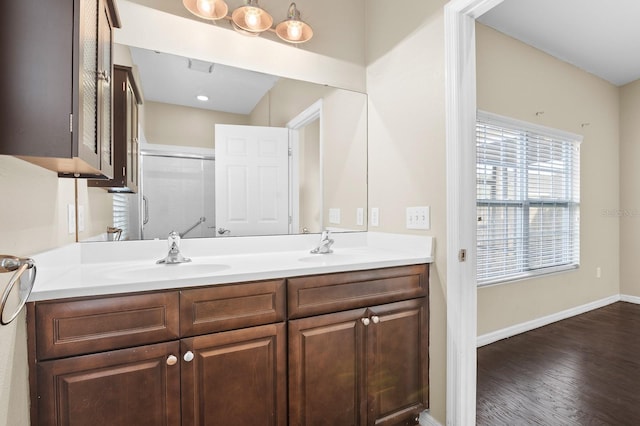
[(230, 152)]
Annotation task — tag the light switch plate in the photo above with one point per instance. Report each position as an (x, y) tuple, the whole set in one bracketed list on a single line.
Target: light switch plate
[(375, 216), (418, 217), (360, 216), (334, 216)]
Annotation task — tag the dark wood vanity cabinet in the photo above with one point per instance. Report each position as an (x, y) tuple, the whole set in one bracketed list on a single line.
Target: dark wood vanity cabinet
[(134, 386), (365, 366), (105, 360), (126, 153), (57, 84), (237, 377), (353, 350), (123, 360)]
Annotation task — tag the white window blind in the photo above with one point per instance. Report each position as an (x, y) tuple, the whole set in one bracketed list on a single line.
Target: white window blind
[(528, 199), (121, 207)]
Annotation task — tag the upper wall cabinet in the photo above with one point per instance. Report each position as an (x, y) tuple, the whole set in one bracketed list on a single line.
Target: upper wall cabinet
[(126, 98), (56, 84)]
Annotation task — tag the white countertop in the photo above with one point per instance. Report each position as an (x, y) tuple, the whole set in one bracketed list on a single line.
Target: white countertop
[(99, 268)]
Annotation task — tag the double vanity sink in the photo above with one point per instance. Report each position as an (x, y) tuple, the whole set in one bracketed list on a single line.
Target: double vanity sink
[(101, 268), (250, 331)]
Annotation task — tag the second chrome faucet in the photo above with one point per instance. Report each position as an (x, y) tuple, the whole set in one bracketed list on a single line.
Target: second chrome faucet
[(325, 243)]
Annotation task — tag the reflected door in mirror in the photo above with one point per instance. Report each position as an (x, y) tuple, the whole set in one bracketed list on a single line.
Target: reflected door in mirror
[(252, 173)]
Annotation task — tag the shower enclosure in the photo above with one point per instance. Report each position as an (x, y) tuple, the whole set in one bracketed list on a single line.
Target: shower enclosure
[(178, 194)]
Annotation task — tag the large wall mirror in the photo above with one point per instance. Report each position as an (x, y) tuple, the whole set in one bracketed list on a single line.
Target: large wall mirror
[(227, 151)]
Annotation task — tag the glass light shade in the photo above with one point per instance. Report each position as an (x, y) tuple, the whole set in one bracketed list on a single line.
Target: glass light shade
[(293, 29), (252, 18), (207, 9)]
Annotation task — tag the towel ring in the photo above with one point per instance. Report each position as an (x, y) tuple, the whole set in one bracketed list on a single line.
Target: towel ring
[(18, 266)]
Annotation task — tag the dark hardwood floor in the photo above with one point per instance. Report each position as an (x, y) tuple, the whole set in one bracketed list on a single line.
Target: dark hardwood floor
[(581, 371)]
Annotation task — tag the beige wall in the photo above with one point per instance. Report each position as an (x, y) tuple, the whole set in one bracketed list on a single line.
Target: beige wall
[(344, 135), (405, 84), (167, 124), (517, 80), (330, 20), (310, 195), (629, 210), (33, 219)]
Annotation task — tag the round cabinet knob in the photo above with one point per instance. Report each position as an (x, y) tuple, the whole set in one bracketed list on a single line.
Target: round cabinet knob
[(375, 319), (171, 360), (188, 356), (365, 321)]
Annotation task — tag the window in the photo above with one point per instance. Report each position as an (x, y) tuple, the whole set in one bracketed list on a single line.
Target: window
[(121, 212), (528, 199)]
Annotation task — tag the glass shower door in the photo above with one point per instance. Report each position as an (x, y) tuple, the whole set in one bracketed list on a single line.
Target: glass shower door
[(178, 195)]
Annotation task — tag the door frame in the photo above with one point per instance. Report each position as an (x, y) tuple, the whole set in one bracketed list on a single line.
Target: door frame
[(462, 293), (309, 115)]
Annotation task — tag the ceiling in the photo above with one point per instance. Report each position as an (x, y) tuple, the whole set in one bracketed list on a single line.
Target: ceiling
[(178, 80), (601, 37)]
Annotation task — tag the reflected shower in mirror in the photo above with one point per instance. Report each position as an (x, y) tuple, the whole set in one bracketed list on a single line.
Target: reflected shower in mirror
[(232, 152)]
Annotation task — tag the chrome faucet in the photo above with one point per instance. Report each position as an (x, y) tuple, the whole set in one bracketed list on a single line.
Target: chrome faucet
[(325, 243), (174, 255), (113, 233)]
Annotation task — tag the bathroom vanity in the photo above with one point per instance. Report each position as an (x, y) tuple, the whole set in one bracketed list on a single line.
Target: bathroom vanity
[(307, 339)]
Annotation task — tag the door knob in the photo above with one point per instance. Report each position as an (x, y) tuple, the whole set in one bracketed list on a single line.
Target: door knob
[(188, 356), (365, 321), (171, 360), (375, 319)]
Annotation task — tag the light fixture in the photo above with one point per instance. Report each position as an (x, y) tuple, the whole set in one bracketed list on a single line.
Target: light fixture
[(293, 29), (207, 9), (203, 98), (252, 20), (251, 17)]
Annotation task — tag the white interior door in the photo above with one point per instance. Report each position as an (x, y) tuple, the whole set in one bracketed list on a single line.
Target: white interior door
[(251, 179)]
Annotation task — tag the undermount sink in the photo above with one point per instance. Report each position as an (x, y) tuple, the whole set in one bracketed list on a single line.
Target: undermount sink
[(150, 272)]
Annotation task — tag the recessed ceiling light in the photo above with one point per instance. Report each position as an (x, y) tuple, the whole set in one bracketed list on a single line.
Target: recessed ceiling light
[(202, 98)]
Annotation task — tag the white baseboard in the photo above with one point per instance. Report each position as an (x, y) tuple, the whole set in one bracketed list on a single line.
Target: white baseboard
[(427, 420), (494, 336), (630, 299)]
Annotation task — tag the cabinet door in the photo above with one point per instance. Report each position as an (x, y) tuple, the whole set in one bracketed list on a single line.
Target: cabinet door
[(36, 56), (95, 80), (326, 375), (137, 386), (105, 95), (132, 140), (235, 378), (89, 83), (397, 362)]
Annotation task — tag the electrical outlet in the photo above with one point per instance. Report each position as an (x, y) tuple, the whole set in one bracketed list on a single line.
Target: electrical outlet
[(598, 272), (71, 218), (80, 218), (418, 217), (375, 216), (360, 216), (334, 216)]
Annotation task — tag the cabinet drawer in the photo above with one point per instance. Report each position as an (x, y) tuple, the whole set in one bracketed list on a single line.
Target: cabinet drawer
[(321, 294), (82, 326), (228, 307)]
